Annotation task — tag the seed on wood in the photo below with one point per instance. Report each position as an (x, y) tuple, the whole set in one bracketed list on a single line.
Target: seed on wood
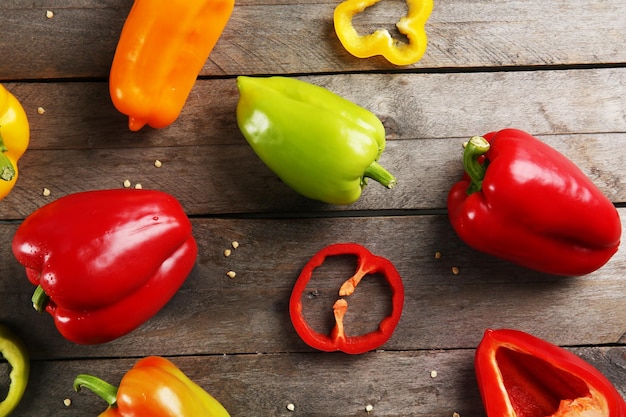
[(231, 274)]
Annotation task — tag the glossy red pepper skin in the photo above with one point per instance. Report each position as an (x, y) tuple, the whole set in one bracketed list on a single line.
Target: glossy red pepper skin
[(520, 375), (535, 208), (367, 263), (107, 260)]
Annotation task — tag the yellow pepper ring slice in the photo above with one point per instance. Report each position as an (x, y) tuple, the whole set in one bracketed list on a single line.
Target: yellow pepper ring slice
[(381, 42)]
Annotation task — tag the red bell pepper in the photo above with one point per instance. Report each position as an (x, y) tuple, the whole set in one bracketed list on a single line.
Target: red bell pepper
[(367, 263), (154, 387), (525, 202), (104, 262), (520, 375)]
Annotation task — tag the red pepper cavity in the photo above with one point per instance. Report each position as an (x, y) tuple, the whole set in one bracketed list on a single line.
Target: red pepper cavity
[(520, 375), (338, 340)]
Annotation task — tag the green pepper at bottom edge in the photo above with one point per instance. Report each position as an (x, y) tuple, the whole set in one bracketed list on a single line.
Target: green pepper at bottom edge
[(14, 351)]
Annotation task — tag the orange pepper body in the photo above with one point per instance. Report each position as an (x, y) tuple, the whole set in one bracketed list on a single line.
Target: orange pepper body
[(156, 387), (14, 138), (162, 48)]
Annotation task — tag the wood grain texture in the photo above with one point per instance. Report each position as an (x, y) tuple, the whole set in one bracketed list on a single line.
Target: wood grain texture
[(79, 41), (553, 68), (214, 314), (396, 384)]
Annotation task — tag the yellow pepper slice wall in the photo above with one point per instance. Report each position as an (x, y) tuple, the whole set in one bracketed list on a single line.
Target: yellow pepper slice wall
[(381, 42)]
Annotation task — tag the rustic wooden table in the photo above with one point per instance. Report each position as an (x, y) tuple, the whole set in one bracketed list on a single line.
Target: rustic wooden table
[(553, 68)]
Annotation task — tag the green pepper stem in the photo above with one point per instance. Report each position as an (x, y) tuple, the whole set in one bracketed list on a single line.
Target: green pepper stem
[(7, 170), (475, 148), (40, 299), (376, 172), (101, 388)]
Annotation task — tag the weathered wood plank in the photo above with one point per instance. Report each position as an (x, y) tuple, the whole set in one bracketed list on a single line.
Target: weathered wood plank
[(79, 41), (81, 115), (423, 150), (213, 314), (227, 179), (394, 383)]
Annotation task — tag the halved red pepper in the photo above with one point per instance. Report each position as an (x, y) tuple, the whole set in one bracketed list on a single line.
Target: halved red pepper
[(105, 261), (367, 263), (523, 201), (520, 375)]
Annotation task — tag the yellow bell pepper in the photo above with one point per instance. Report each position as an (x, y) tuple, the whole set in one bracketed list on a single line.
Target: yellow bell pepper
[(381, 42), (14, 138), (162, 48)]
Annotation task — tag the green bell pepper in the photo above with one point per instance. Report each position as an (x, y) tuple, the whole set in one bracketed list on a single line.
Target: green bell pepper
[(319, 144), (14, 351)]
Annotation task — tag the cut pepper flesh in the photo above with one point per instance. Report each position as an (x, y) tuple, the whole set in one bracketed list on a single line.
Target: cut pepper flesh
[(520, 375), (367, 263), (380, 42)]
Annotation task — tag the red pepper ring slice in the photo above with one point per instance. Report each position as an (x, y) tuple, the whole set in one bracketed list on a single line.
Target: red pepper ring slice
[(367, 263)]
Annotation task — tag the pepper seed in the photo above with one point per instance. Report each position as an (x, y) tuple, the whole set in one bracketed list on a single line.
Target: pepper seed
[(46, 192), (227, 252), (231, 274), (49, 14), (41, 110), (291, 407), (235, 244)]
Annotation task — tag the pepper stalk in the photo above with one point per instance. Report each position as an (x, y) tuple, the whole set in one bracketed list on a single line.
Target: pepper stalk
[(474, 167), (7, 170)]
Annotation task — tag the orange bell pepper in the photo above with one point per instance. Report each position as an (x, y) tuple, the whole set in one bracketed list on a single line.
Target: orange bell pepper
[(14, 138), (154, 387), (161, 50)]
